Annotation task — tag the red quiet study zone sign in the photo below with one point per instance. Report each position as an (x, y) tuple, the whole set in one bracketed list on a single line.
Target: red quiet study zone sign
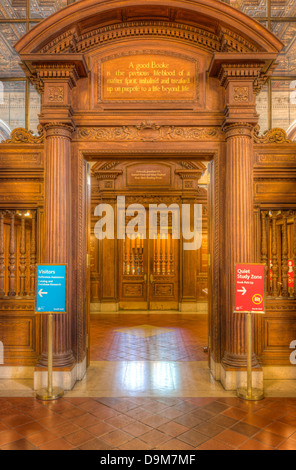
[(249, 288)]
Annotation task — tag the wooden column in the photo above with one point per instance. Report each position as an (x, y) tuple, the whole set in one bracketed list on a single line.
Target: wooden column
[(33, 255), (12, 266), (58, 233), (285, 267), (22, 262), (274, 254), (239, 231), (2, 254)]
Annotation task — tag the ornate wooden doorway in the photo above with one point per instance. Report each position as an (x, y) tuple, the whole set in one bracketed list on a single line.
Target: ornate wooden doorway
[(149, 272)]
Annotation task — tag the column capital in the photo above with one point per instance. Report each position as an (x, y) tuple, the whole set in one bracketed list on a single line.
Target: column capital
[(59, 129), (238, 129)]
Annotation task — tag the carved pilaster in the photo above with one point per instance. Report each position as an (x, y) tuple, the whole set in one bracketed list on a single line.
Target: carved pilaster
[(239, 231), (57, 242), (22, 263), (2, 254), (285, 267)]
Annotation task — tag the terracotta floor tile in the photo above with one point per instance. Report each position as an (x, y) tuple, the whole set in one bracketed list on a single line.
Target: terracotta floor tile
[(281, 429), (101, 428), (105, 413), (73, 413), (188, 420), (136, 429), (222, 420), (155, 437), (86, 420), (246, 429), (289, 444), (210, 429), (117, 438), (135, 444), (58, 444), (3, 426), (96, 444), (16, 420), (78, 438), (155, 421), (255, 420), (288, 419), (173, 429), (251, 444), (231, 438), (40, 413), (171, 413), (21, 444), (174, 444), (203, 414), (193, 437), (9, 436), (216, 407), (30, 428), (269, 438), (235, 413), (120, 421), (42, 438), (139, 414), (52, 421), (64, 429), (212, 444)]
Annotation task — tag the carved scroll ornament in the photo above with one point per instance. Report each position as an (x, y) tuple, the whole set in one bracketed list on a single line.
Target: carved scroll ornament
[(22, 136), (273, 136)]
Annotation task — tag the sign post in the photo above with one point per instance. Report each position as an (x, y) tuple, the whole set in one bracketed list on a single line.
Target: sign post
[(50, 299), (249, 298)]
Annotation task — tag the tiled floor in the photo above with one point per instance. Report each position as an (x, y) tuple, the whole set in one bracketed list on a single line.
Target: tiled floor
[(158, 393), (148, 423), (124, 337)]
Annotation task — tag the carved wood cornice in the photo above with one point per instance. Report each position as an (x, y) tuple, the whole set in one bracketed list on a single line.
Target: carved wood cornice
[(148, 132), (106, 174), (191, 174), (273, 136), (71, 42), (22, 136)]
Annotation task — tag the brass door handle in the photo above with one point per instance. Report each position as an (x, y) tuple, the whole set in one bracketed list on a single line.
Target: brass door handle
[(145, 278), (151, 278)]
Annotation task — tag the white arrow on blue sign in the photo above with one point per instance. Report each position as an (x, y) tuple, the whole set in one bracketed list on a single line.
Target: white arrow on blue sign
[(51, 288)]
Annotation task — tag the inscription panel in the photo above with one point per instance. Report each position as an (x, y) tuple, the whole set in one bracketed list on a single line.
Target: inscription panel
[(148, 77), (144, 175)]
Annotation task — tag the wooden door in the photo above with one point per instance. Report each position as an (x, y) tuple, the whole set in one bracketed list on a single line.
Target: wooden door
[(133, 273), (149, 272), (164, 273)]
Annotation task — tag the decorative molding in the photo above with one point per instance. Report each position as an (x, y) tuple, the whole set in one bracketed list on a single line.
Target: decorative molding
[(56, 94), (273, 136), (13, 305), (22, 136), (241, 94), (148, 132), (227, 40)]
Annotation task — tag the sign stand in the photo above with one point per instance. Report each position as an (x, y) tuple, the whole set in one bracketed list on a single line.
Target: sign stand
[(249, 393), (49, 393), (249, 298), (50, 299)]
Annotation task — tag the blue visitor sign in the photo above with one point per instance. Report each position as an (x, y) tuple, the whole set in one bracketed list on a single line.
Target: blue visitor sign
[(51, 288)]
